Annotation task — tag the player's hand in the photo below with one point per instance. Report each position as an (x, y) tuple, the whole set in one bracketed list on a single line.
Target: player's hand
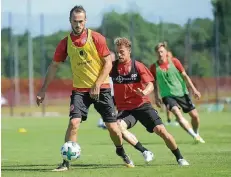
[(158, 102), (40, 97), (197, 94), (140, 92), (94, 92)]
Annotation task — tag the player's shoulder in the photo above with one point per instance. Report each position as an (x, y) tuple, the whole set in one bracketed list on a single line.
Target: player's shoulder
[(64, 40), (96, 35), (139, 65), (174, 59), (153, 66), (62, 43)]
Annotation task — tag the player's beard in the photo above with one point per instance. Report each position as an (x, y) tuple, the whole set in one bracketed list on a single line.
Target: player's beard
[(77, 33)]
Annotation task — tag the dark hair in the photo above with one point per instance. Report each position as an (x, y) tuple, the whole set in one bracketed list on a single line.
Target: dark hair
[(77, 9)]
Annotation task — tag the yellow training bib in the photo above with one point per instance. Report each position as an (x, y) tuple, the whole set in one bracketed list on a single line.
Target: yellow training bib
[(86, 64)]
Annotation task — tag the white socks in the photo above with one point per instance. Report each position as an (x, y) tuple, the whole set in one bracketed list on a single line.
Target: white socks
[(192, 133)]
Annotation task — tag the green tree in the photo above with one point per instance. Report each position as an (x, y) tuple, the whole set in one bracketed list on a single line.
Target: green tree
[(221, 10), (145, 35)]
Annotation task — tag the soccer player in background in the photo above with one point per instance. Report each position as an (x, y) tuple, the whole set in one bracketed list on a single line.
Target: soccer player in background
[(168, 113), (133, 82), (91, 63), (170, 80)]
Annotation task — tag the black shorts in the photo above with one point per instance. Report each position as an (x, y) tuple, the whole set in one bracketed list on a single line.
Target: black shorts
[(146, 114), (113, 100), (81, 101), (184, 102)]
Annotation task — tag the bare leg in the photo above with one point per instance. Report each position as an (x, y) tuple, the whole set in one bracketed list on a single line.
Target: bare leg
[(168, 113), (170, 143), (182, 121), (195, 120), (117, 139), (167, 137), (115, 133), (72, 130), (127, 136)]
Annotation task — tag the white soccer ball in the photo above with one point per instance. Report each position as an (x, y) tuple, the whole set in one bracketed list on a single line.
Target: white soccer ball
[(70, 151)]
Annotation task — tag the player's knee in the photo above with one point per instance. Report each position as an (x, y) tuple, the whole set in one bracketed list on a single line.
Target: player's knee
[(194, 114), (111, 126), (122, 125), (182, 120), (74, 123), (161, 131), (176, 111)]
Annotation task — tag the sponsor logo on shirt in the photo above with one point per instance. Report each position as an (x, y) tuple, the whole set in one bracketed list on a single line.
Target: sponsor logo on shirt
[(84, 62), (121, 79)]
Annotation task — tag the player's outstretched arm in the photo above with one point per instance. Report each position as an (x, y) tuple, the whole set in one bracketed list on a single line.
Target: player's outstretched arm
[(148, 89), (189, 82), (49, 77)]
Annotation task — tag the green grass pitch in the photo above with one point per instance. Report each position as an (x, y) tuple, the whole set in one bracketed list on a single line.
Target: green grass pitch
[(37, 152)]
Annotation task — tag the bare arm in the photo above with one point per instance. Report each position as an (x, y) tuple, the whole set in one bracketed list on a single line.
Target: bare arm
[(149, 88), (49, 77), (189, 82), (158, 100), (105, 71), (51, 72), (156, 90)]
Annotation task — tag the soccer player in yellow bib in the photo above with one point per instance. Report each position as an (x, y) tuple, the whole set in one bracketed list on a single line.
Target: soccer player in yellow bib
[(91, 64)]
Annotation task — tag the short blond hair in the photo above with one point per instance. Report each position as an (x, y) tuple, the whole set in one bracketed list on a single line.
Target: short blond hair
[(120, 41), (161, 44)]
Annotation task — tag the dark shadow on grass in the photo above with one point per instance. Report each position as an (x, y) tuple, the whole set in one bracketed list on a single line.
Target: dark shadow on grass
[(25, 169), (148, 143), (30, 165), (156, 165), (162, 143), (97, 166), (75, 166)]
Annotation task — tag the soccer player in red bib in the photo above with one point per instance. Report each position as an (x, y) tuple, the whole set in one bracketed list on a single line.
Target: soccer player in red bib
[(132, 83)]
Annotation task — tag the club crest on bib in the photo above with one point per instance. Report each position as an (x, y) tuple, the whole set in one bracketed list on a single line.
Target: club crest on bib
[(83, 54)]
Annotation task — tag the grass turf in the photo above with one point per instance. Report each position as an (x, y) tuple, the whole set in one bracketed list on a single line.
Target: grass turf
[(35, 153)]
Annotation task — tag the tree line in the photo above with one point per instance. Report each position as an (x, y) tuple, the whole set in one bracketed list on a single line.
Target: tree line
[(202, 45)]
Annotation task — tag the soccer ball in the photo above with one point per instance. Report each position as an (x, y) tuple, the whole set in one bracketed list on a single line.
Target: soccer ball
[(70, 151)]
